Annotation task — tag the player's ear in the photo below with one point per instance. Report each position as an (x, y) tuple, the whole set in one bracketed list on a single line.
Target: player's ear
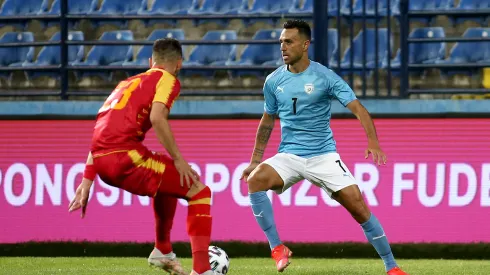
[(150, 62), (306, 44)]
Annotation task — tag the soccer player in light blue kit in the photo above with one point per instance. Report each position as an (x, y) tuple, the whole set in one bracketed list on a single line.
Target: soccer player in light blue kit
[(299, 93)]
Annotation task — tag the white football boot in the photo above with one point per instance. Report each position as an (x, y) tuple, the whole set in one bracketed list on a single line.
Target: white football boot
[(167, 262)]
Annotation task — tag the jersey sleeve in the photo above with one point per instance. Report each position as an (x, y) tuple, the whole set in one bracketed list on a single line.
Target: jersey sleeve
[(167, 90), (270, 101), (343, 92)]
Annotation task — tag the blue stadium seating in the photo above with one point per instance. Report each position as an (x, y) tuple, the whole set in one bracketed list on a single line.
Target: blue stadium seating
[(428, 5), (265, 7), (260, 54), (216, 55), (422, 53), (370, 7), (165, 7), (75, 7), (357, 51), (305, 7), (78, 7), (51, 55), (468, 52), (124, 7), (464, 5), (15, 56), (215, 7), (22, 8), (108, 54)]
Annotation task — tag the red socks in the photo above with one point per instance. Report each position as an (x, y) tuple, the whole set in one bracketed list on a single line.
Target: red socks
[(164, 209), (199, 224)]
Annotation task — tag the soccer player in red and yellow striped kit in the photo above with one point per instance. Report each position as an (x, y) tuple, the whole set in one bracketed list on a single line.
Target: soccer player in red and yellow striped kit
[(120, 159)]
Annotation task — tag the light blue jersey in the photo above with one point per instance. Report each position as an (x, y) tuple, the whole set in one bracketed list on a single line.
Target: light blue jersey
[(302, 102)]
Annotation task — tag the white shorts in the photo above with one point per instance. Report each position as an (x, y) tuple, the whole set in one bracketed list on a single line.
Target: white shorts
[(325, 171)]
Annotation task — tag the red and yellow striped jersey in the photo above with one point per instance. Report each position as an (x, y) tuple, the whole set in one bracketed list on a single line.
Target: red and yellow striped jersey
[(124, 119)]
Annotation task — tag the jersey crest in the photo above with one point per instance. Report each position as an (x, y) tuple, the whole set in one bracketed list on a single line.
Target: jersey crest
[(309, 88)]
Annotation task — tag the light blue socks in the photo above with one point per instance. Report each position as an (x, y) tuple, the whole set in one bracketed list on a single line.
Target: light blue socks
[(262, 210), (376, 236)]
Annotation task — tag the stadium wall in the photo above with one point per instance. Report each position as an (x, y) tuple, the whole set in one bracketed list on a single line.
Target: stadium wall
[(435, 186)]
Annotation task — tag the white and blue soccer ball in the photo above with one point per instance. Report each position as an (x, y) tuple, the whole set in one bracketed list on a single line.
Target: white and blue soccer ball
[(218, 259)]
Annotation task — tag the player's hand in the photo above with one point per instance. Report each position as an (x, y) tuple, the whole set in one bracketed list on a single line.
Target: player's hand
[(186, 172), (249, 170), (81, 197), (378, 154)]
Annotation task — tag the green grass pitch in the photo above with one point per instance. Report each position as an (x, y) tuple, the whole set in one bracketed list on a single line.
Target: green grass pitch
[(239, 266)]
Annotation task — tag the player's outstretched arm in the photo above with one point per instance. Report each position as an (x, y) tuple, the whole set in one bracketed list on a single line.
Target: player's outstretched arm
[(368, 124), (159, 120), (261, 140)]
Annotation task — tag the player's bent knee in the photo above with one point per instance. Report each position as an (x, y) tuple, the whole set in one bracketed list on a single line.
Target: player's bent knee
[(257, 182), (263, 178), (204, 194), (195, 189)]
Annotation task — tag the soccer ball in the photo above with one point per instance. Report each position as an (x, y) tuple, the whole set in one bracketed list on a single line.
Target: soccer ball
[(218, 259)]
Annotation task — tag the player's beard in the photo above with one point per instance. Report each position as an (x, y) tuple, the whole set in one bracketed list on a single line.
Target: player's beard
[(293, 60)]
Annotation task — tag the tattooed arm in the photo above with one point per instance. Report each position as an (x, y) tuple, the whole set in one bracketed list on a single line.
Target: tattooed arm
[(263, 134), (266, 126)]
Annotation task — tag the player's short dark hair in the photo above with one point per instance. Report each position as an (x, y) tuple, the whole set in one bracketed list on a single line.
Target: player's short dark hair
[(167, 49), (302, 26)]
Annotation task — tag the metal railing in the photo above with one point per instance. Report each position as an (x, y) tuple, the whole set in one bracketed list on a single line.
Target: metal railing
[(406, 16)]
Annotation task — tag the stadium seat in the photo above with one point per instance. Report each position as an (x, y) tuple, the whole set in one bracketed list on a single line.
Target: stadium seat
[(305, 6), (144, 53), (51, 55), (422, 53), (165, 7), (215, 7), (22, 8), (465, 5), (75, 7), (15, 56), (213, 55), (357, 9), (428, 5), (125, 7), (357, 51), (468, 52), (108, 54), (78, 7), (265, 7), (259, 54)]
